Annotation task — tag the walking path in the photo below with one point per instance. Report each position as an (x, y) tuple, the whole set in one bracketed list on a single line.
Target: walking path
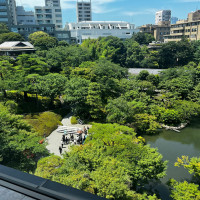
[(54, 139)]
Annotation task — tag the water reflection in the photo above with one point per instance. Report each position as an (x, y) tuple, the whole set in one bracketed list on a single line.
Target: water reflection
[(189, 135), (172, 145)]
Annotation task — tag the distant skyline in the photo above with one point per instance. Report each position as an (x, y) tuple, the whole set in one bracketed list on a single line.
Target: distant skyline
[(136, 12)]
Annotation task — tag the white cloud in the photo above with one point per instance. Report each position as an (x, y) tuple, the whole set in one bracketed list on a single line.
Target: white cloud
[(98, 6)]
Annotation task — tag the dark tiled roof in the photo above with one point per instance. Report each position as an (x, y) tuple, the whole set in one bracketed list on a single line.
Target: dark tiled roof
[(16, 185)]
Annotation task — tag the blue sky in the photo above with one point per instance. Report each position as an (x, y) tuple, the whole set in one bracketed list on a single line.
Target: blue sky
[(138, 12)]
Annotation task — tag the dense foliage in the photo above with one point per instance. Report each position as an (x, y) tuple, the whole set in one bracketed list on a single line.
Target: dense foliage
[(103, 166), (20, 147), (93, 82)]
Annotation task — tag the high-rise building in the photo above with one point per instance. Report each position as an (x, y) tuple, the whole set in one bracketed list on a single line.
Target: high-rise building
[(162, 16), (12, 9), (8, 12), (25, 17), (51, 13), (84, 10), (4, 10)]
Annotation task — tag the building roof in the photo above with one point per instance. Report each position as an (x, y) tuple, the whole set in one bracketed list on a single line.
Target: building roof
[(22, 186), (16, 46), (100, 22)]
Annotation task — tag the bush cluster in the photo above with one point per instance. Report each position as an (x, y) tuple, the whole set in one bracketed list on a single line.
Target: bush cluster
[(74, 120)]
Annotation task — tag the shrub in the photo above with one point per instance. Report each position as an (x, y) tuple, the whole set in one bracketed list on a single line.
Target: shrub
[(45, 123), (12, 106), (74, 120)]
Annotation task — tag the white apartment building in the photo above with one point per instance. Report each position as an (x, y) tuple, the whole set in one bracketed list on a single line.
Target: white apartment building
[(162, 16), (95, 29), (25, 17), (51, 13), (84, 10)]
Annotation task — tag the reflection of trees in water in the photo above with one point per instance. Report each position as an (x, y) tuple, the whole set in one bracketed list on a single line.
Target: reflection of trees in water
[(157, 187), (189, 135)]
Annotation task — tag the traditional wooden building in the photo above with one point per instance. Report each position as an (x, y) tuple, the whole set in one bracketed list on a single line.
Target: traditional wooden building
[(16, 48)]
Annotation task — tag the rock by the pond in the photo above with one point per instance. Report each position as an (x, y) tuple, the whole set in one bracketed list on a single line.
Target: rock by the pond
[(174, 128)]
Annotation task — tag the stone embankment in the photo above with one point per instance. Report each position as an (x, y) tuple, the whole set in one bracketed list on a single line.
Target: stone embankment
[(174, 128)]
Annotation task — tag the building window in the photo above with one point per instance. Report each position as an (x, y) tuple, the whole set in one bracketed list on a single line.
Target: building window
[(3, 13)]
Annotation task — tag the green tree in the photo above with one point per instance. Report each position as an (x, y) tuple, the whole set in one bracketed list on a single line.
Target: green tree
[(3, 28), (20, 146), (51, 85), (76, 92), (146, 124), (37, 35), (143, 38), (151, 60), (94, 100), (184, 190), (30, 64), (118, 111), (192, 165), (134, 54), (62, 58), (49, 166), (6, 71), (143, 75), (111, 163), (4, 37), (46, 43)]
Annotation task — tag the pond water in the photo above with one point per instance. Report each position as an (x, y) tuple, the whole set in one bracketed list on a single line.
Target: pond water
[(172, 145), (136, 71)]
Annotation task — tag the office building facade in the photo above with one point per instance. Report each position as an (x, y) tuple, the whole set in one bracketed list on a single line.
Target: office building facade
[(12, 10), (5, 13), (51, 13), (95, 29), (162, 16), (188, 28), (84, 10), (25, 17), (26, 30), (158, 31)]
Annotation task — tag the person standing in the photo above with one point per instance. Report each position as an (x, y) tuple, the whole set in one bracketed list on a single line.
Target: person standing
[(60, 149), (84, 130), (62, 143)]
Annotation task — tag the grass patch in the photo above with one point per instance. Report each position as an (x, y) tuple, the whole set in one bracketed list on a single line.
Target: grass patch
[(44, 123), (74, 120)]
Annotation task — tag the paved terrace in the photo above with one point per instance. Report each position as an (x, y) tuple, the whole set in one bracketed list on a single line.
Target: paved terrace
[(54, 139)]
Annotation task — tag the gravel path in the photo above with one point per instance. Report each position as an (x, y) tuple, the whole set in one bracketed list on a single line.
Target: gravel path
[(54, 139)]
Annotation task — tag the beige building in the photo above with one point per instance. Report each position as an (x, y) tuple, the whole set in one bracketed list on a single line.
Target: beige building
[(189, 28), (158, 31)]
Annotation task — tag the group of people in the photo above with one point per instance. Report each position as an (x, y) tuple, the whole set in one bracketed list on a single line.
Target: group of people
[(77, 138)]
